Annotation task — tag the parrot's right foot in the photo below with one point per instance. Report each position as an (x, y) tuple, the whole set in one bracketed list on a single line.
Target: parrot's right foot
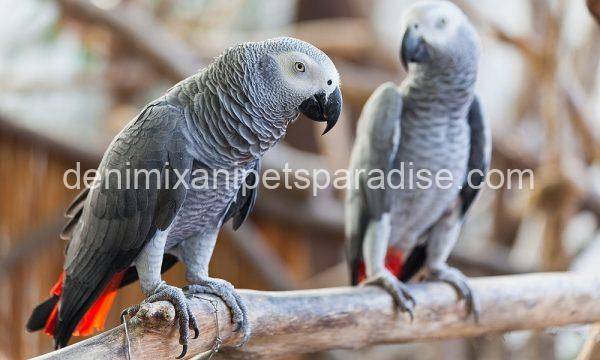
[(183, 312), (460, 282), (399, 291), (227, 293)]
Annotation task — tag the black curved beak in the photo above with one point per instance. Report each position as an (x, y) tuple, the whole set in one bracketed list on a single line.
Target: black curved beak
[(414, 49), (318, 108)]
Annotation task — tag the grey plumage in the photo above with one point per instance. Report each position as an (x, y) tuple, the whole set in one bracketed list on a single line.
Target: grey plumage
[(375, 147), (431, 122), (115, 224), (240, 208), (221, 120)]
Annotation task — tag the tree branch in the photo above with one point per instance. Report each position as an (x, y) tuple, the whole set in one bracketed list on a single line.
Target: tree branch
[(315, 320), (154, 42)]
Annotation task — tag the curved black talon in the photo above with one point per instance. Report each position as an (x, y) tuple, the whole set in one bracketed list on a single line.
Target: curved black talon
[(400, 293), (193, 324), (183, 312), (475, 315), (227, 293), (410, 313), (183, 351), (122, 316), (473, 306), (130, 311), (460, 283)]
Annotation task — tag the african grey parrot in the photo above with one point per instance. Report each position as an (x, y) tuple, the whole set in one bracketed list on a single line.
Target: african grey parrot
[(220, 120), (432, 121)]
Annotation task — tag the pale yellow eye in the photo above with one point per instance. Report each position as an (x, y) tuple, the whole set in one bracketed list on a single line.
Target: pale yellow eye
[(299, 66)]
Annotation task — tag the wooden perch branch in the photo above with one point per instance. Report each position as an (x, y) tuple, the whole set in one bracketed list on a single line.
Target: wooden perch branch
[(315, 320)]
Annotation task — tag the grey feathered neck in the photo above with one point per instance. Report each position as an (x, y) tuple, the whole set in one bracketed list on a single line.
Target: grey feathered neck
[(448, 80), (450, 83)]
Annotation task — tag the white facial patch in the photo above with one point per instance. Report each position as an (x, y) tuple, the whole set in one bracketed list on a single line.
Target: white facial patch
[(307, 76), (435, 20), (299, 71)]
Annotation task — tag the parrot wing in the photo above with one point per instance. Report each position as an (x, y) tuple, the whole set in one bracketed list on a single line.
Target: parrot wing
[(375, 148), (479, 158), (73, 214), (122, 217), (243, 203)]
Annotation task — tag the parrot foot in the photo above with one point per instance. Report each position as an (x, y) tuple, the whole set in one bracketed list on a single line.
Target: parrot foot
[(459, 281), (225, 291), (399, 291), (183, 312)]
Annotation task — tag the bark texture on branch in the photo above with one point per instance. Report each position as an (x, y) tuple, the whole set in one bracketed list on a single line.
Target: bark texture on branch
[(314, 320)]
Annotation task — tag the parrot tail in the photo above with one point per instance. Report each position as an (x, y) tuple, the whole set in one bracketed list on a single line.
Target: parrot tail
[(394, 262), (45, 315)]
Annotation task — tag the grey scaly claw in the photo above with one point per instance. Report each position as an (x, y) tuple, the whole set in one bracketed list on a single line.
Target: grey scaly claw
[(397, 289), (459, 282), (183, 312), (227, 293)]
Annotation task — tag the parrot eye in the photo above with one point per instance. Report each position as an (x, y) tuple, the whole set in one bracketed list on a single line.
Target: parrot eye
[(441, 23), (299, 67)]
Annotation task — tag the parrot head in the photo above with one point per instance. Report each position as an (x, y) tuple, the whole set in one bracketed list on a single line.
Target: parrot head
[(296, 77), (437, 34)]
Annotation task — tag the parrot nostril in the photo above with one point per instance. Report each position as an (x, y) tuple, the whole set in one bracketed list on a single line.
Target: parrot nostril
[(329, 82)]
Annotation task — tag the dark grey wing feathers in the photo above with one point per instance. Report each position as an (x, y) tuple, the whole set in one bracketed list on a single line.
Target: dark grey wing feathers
[(375, 148), (243, 203), (479, 158), (122, 218), (77, 204), (73, 214)]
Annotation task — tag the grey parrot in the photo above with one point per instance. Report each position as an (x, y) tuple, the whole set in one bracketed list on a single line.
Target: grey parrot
[(432, 121), (220, 120)]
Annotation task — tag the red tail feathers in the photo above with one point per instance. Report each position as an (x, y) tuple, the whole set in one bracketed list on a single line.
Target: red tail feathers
[(394, 261), (95, 317)]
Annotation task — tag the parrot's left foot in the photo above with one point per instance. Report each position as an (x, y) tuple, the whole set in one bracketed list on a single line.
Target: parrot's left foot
[(397, 289), (225, 291), (460, 282), (183, 312)]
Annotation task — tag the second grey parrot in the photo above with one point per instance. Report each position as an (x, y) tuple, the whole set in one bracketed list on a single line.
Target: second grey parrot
[(432, 122), (220, 120)]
